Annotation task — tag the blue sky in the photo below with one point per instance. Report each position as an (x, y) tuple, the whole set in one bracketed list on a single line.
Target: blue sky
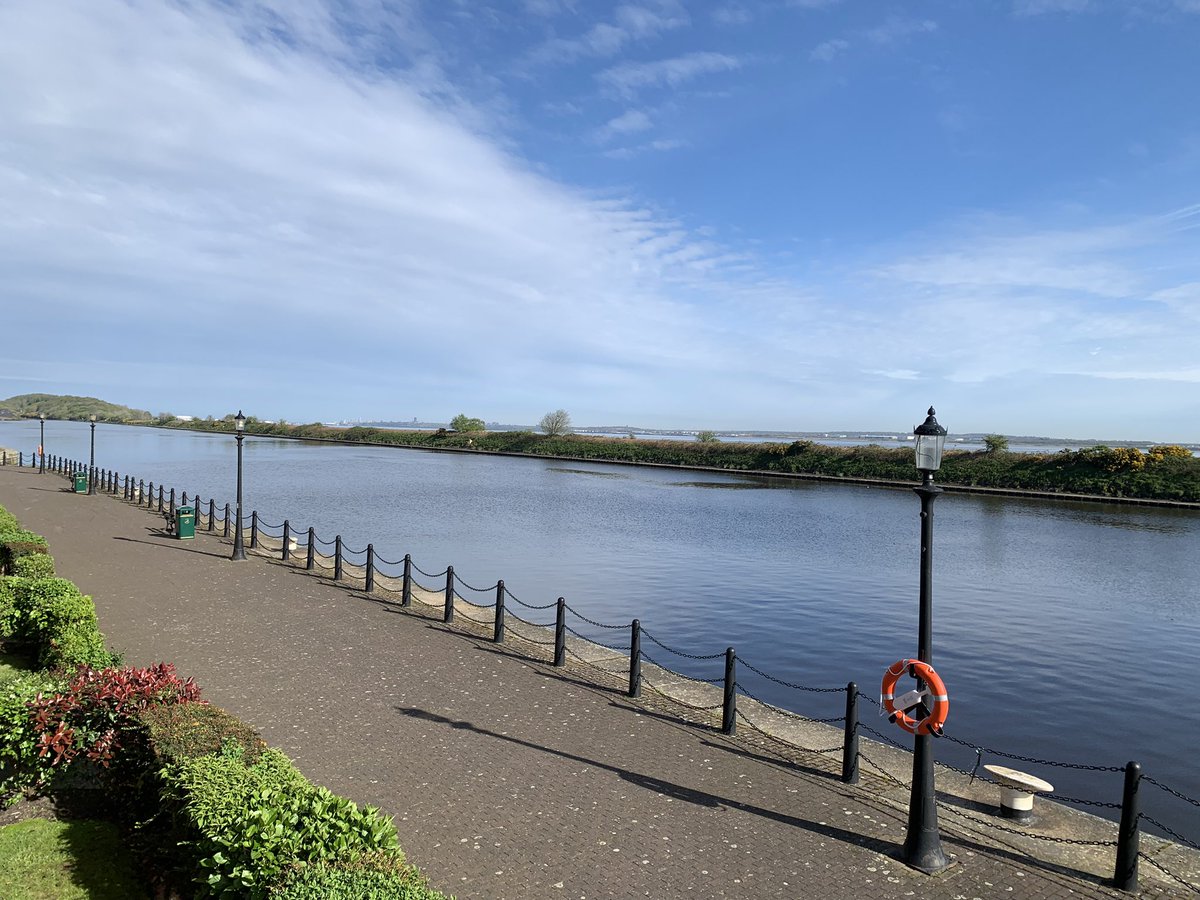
[(800, 215)]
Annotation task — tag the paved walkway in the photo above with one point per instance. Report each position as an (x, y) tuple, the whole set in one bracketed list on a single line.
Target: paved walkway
[(508, 778)]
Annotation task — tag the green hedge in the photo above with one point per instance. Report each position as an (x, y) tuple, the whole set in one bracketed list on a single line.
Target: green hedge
[(21, 765), (243, 825), (8, 522), (369, 876), (35, 565), (9, 617), (15, 543), (59, 621), (176, 734)]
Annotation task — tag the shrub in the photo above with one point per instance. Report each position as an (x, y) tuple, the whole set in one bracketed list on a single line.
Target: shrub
[(244, 826), (17, 543), (372, 875), (61, 622), (179, 732), (8, 522), (10, 587), (97, 709), (37, 565), (1160, 452), (21, 765)]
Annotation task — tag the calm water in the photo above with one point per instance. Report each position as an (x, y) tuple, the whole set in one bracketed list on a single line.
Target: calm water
[(1065, 631)]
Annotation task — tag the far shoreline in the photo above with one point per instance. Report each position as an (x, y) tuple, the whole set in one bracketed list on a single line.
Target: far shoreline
[(949, 487)]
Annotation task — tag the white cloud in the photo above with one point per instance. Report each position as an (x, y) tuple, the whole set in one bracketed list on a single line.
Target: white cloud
[(1046, 7), (632, 120), (827, 50), (896, 29), (630, 23), (628, 78), (165, 172)]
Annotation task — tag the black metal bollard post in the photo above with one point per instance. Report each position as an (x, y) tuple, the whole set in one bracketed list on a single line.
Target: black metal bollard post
[(171, 503), (370, 585), (287, 539), (448, 606), (310, 560), (253, 529), (850, 739), (225, 524), (635, 658), (729, 703), (125, 495), (150, 496), (160, 498), (212, 514), (406, 596), (141, 492), (560, 633), (337, 558), (498, 625), (1128, 836)]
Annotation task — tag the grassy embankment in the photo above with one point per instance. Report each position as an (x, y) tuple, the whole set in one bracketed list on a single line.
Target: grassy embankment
[(1164, 473)]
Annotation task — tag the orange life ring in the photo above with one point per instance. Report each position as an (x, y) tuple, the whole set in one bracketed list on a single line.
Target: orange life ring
[(932, 723)]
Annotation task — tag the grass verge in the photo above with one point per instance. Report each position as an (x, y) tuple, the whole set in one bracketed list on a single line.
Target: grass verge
[(41, 859)]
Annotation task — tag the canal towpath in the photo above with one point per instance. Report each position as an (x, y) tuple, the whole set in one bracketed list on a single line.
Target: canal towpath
[(507, 778)]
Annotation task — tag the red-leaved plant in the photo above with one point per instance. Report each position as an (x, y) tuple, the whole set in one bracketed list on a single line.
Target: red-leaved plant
[(98, 705)]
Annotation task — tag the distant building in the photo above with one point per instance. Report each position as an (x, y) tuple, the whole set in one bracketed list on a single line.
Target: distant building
[(186, 418)]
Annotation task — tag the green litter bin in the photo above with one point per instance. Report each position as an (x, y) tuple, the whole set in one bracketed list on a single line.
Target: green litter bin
[(81, 482), (185, 522)]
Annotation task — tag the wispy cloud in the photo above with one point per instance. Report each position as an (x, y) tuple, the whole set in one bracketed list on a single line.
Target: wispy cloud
[(828, 50), (897, 29), (628, 78), (661, 145), (1047, 7), (631, 23), (632, 120)]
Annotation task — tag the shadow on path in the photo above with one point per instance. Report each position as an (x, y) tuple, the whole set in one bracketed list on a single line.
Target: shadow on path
[(666, 788), (185, 548)]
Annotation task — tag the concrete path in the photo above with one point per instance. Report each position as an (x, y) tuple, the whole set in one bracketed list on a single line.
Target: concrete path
[(507, 778)]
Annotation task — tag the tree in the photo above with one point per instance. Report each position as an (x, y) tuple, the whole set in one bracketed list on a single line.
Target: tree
[(995, 443), (556, 423), (463, 422), (707, 437)]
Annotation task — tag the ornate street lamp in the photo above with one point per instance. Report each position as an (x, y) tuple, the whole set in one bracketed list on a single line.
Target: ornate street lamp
[(239, 423), (922, 845), (42, 445), (92, 458)]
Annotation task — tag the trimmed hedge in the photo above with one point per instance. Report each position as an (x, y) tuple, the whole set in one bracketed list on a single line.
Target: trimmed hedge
[(21, 764), (9, 588), (16, 543), (176, 734), (34, 565), (61, 622), (369, 876), (245, 825)]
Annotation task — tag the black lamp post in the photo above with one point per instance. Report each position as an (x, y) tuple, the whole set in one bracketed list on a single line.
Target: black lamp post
[(42, 445), (922, 845), (92, 457), (239, 423)]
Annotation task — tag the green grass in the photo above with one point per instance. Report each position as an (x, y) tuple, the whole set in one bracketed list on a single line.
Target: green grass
[(42, 859), (12, 665)]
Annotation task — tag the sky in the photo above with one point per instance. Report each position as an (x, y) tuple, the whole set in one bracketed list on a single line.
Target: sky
[(775, 214)]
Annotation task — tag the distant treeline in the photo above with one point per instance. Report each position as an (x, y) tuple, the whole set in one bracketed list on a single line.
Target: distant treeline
[(1163, 473)]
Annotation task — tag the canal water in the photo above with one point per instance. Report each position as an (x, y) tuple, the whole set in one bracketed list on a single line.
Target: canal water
[(1064, 631)]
